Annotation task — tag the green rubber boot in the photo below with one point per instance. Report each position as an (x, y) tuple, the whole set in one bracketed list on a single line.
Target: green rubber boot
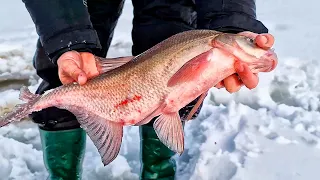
[(156, 158), (63, 153)]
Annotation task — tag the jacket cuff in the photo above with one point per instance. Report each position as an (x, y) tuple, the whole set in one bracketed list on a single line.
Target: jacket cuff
[(73, 40), (233, 22)]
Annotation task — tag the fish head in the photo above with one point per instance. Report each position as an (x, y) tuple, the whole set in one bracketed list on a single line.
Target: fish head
[(245, 49)]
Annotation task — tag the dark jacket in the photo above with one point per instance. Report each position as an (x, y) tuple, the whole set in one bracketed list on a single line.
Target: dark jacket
[(64, 25)]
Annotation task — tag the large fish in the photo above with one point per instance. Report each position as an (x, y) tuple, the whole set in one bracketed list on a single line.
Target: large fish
[(158, 82)]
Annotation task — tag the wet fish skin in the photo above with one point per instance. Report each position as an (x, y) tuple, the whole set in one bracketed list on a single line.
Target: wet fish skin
[(157, 82)]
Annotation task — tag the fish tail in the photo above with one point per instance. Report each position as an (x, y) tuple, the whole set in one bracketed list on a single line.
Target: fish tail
[(21, 110)]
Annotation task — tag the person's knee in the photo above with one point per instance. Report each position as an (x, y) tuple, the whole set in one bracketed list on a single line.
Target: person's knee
[(54, 119)]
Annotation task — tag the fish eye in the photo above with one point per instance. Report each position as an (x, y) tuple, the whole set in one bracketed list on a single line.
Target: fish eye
[(250, 40)]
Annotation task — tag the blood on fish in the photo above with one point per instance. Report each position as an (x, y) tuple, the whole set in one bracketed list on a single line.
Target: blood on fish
[(122, 103), (136, 97), (122, 122), (132, 121), (126, 101)]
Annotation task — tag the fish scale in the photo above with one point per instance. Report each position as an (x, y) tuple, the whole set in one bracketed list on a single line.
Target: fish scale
[(156, 83)]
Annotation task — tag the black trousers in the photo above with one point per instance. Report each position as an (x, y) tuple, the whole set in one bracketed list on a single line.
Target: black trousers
[(154, 21)]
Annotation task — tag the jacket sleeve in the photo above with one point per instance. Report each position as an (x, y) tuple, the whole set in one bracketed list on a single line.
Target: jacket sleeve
[(228, 16), (62, 25)]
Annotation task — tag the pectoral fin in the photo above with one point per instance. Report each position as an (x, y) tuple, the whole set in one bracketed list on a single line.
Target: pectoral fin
[(170, 131), (191, 70), (197, 105)]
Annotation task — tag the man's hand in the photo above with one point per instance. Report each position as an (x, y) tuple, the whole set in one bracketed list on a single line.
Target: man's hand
[(78, 67), (243, 75)]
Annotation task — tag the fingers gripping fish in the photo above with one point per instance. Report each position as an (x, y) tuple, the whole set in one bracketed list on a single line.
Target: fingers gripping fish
[(156, 83)]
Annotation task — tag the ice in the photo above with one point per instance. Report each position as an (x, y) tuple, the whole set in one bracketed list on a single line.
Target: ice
[(269, 133)]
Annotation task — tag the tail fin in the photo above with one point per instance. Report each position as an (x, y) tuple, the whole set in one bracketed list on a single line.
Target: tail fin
[(21, 110)]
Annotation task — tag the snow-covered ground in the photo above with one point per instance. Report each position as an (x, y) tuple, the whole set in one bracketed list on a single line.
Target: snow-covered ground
[(270, 133)]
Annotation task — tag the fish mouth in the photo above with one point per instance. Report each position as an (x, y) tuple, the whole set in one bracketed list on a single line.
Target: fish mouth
[(265, 63), (268, 62), (270, 57)]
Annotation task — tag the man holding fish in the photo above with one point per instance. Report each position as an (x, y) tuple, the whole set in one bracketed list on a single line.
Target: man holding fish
[(72, 33)]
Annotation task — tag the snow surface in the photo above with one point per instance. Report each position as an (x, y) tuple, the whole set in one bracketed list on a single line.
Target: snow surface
[(269, 133)]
